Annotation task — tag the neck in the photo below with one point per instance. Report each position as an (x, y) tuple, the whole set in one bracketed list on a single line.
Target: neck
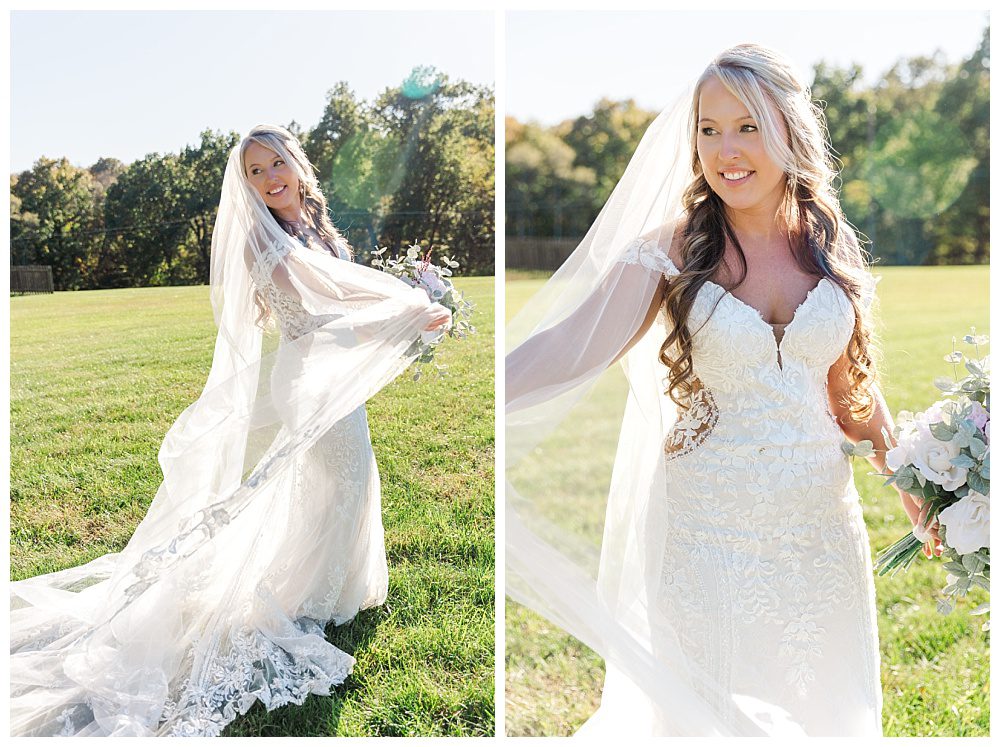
[(761, 227), (291, 215)]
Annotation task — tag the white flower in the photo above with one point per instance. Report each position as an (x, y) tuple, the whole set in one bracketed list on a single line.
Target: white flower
[(896, 457), (967, 523), (431, 283), (933, 458)]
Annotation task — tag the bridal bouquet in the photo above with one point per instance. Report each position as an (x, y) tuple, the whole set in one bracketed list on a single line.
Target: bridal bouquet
[(416, 269), (943, 457)]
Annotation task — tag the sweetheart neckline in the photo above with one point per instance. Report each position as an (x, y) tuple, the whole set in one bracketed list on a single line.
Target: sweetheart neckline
[(771, 332)]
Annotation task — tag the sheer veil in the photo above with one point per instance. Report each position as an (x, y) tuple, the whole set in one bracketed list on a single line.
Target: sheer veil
[(133, 643), (586, 514)]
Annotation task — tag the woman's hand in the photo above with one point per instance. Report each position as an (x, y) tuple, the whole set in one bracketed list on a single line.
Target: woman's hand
[(916, 509), (439, 317)]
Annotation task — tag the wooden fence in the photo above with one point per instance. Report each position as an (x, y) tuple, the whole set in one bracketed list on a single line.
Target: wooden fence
[(537, 253), (31, 279)]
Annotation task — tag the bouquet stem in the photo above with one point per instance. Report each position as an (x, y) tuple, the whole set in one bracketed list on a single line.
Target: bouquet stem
[(899, 555)]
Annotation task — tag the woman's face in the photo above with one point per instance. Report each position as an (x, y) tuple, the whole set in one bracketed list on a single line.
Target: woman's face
[(274, 180), (731, 151)]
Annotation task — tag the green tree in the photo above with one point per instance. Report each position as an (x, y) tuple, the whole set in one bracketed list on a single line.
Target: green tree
[(145, 223), (437, 137), (605, 140), (547, 194), (53, 220), (198, 184), (962, 232)]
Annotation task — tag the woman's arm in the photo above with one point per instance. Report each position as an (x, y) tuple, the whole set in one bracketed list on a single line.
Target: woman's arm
[(838, 386), (599, 332)]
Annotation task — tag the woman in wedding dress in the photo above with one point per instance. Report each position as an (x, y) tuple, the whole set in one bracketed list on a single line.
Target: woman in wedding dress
[(733, 594), (267, 525)]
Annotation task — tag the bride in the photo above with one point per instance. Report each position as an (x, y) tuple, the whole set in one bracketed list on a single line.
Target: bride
[(267, 524), (729, 588)]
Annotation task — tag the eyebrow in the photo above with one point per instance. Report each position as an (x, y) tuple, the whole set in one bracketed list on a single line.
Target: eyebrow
[(707, 119), (276, 157)]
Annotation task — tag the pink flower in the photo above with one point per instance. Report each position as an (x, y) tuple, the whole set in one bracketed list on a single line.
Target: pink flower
[(980, 416)]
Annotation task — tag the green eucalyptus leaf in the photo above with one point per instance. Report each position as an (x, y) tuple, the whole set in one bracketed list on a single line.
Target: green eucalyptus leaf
[(977, 483), (941, 432), (981, 582), (964, 460), (945, 384), (972, 563), (863, 448)]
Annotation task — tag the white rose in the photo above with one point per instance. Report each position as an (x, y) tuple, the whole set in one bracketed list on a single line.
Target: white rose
[(896, 457), (900, 454), (967, 523), (933, 459)]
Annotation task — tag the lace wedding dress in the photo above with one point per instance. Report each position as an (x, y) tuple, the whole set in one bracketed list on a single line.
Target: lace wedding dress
[(765, 576), (182, 641)]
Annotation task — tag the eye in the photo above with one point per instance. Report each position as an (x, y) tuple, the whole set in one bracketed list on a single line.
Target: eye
[(254, 171), (278, 162), (707, 130), (748, 128)]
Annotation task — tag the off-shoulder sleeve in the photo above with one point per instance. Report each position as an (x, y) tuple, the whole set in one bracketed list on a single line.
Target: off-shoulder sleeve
[(650, 254)]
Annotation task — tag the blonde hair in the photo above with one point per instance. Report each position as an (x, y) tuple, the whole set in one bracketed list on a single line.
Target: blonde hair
[(823, 241), (314, 205)]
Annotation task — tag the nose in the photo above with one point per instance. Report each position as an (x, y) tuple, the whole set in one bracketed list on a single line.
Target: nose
[(729, 150)]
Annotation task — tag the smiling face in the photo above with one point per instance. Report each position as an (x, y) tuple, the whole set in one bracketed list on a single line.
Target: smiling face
[(274, 179), (731, 151)]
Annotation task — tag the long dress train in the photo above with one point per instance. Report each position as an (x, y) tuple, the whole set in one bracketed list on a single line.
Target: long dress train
[(195, 621)]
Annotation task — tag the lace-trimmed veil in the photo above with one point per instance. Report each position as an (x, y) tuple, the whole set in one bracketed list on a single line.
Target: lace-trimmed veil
[(585, 514), (131, 642)]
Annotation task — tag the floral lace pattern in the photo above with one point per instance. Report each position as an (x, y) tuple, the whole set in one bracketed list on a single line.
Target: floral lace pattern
[(292, 318), (766, 572), (693, 424), (255, 668)]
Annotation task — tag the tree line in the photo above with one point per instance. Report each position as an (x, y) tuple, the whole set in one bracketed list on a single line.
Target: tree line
[(416, 165), (913, 147)]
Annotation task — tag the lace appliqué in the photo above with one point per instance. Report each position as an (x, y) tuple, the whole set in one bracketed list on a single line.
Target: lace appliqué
[(254, 669), (292, 318), (649, 254), (765, 557), (693, 425)]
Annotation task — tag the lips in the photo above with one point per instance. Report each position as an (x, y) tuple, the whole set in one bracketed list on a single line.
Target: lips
[(276, 191), (735, 178)]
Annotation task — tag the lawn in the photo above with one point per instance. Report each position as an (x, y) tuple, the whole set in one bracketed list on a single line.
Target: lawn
[(98, 377), (935, 669)]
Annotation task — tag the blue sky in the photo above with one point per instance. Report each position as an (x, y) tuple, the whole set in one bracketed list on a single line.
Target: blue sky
[(92, 84), (560, 63)]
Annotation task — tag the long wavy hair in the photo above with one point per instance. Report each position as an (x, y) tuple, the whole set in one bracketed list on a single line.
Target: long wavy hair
[(314, 205), (823, 242)]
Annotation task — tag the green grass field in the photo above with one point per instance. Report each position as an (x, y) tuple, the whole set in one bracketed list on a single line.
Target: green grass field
[(98, 377), (935, 669)]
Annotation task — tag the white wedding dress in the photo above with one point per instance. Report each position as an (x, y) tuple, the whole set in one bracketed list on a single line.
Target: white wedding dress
[(111, 649), (765, 579)]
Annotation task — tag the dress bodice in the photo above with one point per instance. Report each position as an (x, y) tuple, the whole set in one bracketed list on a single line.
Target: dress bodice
[(737, 354), (291, 316)]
